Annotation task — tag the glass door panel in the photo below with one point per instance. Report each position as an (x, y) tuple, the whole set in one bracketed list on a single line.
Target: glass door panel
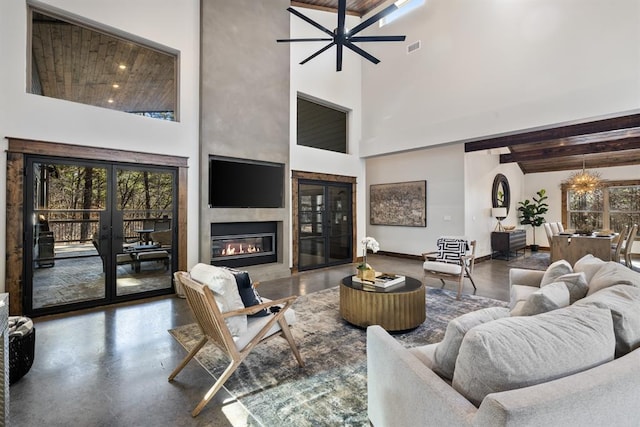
[(67, 264), (340, 229), (143, 230)]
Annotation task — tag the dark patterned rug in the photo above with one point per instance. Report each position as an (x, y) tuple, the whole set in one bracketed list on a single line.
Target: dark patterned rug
[(332, 388), (533, 261)]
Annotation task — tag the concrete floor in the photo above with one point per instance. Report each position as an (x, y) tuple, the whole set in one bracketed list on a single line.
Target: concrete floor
[(109, 366)]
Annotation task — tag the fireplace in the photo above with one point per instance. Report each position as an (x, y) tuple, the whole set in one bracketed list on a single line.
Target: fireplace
[(239, 244)]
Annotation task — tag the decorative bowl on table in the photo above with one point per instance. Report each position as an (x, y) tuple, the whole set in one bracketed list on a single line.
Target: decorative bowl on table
[(509, 227)]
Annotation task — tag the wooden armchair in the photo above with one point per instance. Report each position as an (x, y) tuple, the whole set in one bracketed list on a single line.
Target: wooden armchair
[(454, 260), (212, 324)]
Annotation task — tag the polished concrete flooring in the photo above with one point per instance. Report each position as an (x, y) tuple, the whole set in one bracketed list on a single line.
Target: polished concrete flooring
[(109, 366)]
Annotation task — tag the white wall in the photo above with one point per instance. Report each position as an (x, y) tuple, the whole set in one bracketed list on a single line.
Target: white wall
[(318, 78), (22, 115), (492, 66)]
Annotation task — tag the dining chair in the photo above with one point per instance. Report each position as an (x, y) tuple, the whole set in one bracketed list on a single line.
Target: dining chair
[(548, 232), (215, 330), (628, 246), (616, 246)]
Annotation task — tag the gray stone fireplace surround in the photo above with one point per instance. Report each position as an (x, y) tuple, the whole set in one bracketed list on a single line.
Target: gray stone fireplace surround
[(245, 110)]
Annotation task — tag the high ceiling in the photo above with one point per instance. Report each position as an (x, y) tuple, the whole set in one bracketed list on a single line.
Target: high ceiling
[(354, 7)]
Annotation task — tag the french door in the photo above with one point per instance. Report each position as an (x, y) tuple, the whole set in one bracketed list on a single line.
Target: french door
[(324, 224), (96, 233)]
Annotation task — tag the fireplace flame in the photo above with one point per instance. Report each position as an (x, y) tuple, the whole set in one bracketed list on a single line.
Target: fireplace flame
[(239, 248)]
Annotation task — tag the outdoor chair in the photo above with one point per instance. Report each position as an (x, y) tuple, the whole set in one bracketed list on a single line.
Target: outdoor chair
[(212, 323), (453, 260)]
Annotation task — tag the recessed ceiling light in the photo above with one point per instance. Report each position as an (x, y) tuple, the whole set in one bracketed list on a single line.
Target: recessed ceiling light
[(115, 86), (122, 67), (110, 101)]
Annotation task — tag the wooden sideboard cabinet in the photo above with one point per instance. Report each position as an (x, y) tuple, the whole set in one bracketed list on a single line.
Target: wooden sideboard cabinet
[(506, 243)]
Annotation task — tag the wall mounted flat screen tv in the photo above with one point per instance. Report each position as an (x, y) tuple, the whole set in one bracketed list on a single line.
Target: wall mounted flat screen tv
[(242, 183)]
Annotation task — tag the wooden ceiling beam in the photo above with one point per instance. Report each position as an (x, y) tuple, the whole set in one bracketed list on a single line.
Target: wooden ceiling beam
[(555, 132), (623, 144)]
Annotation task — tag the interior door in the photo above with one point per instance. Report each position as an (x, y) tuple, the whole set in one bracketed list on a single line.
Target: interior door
[(325, 218), (99, 232)]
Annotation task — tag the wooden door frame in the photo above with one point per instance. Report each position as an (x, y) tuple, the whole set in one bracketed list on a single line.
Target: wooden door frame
[(296, 176), (16, 153)]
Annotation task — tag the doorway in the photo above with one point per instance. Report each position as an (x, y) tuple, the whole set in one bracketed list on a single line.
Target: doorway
[(324, 223), (99, 232)]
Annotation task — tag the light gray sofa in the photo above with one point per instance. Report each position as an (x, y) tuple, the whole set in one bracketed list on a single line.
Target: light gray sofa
[(404, 389)]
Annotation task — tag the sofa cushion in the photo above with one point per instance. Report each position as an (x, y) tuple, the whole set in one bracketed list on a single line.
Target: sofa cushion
[(247, 292), (547, 298), (589, 265), (224, 288), (624, 303), (444, 358), (613, 273), (554, 271), (520, 293), (517, 352), (576, 284)]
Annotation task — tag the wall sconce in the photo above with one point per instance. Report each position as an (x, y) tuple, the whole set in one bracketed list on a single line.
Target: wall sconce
[(499, 214)]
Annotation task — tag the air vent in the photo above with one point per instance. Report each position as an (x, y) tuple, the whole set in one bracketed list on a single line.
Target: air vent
[(413, 47)]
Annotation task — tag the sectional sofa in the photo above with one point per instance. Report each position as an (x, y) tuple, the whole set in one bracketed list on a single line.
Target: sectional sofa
[(565, 353)]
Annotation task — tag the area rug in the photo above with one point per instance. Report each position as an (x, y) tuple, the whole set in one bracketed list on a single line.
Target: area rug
[(331, 390), (534, 261)]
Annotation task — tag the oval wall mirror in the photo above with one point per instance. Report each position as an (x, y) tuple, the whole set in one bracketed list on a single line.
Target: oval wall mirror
[(500, 193)]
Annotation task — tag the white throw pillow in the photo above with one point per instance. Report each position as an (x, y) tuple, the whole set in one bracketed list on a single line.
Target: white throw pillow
[(576, 284), (516, 352), (613, 273), (551, 297), (624, 303), (589, 265), (224, 288), (444, 357), (554, 271)]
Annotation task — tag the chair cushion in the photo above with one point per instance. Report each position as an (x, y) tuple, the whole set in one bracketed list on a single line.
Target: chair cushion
[(444, 358), (589, 265), (554, 271), (247, 292), (624, 303), (613, 273), (224, 288), (255, 324), (516, 352), (548, 298), (576, 284), (442, 267)]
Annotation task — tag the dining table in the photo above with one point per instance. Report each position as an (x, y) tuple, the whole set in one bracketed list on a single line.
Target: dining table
[(572, 247)]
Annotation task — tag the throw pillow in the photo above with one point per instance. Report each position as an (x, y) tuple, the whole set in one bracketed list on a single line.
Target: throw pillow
[(577, 285), (589, 265), (624, 303), (247, 292), (548, 298), (516, 352), (444, 357), (520, 293), (224, 288), (613, 273), (554, 271)]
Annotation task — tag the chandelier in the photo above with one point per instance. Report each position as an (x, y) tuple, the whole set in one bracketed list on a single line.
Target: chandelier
[(583, 182)]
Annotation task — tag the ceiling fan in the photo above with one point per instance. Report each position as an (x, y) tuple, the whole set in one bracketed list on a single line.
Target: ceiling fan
[(341, 37)]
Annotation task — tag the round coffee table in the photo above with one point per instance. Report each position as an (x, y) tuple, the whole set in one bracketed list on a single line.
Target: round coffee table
[(398, 308)]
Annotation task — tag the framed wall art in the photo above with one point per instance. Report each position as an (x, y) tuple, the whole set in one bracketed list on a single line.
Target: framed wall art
[(402, 203)]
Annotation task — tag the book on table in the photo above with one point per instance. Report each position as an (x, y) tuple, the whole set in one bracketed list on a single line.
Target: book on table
[(382, 280)]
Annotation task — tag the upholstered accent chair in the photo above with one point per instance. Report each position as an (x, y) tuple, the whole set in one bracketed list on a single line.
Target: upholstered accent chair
[(453, 260)]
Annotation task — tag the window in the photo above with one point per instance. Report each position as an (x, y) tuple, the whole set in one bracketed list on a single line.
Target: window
[(614, 205), (321, 127), (99, 66), (404, 7)]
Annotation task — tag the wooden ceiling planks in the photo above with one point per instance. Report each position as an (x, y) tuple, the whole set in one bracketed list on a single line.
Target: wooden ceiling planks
[(354, 7)]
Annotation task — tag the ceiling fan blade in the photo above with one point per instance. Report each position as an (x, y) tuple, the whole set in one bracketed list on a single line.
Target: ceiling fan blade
[(377, 39), (362, 53), (310, 21), (342, 11), (375, 18), (339, 57), (317, 53), (318, 39)]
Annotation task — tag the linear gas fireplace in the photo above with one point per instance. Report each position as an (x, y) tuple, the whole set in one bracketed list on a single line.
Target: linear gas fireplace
[(239, 244)]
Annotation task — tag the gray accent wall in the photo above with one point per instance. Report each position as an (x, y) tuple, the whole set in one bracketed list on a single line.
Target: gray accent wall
[(245, 108)]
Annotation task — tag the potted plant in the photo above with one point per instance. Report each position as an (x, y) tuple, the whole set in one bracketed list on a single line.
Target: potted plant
[(531, 213)]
